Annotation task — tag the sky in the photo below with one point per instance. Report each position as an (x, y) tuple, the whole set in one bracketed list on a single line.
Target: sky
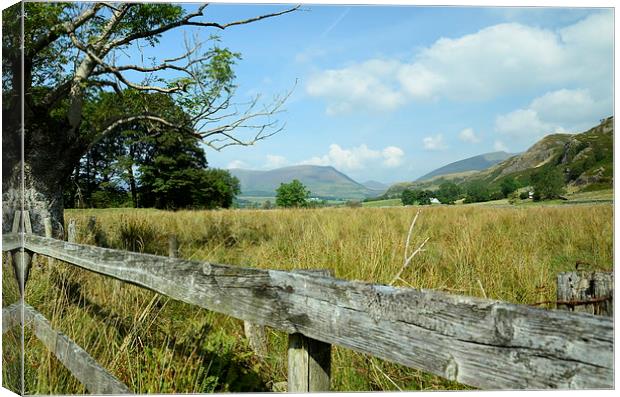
[(389, 93)]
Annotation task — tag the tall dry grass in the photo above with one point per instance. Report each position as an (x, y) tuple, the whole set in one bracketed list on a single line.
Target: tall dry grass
[(158, 345)]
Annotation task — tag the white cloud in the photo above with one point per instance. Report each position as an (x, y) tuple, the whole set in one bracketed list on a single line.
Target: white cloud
[(468, 135), (554, 112), (434, 142), (522, 122), (237, 164), (498, 60), (274, 161), (358, 157), (366, 85), (392, 156), (565, 106), (500, 146)]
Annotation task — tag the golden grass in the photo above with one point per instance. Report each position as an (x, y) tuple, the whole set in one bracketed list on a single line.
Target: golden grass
[(157, 345)]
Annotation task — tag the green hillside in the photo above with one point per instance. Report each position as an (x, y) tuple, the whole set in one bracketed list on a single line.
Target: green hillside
[(585, 160), (323, 182)]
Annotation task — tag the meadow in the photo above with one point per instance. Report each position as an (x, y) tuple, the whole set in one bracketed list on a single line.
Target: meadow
[(157, 345)]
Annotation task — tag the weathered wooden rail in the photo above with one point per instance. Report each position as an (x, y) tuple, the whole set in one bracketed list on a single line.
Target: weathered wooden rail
[(478, 342), (93, 376)]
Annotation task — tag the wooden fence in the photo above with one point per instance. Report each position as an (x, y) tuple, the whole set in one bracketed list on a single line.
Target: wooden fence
[(483, 343)]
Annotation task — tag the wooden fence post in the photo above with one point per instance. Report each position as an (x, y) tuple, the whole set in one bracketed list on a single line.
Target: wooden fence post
[(71, 232), (309, 360), (257, 338), (173, 246), (586, 291), (309, 364), (47, 223)]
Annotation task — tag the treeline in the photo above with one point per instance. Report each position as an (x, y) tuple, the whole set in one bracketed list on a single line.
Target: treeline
[(546, 184), (144, 164)]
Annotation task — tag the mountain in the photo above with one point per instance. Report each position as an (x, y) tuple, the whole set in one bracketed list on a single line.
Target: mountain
[(585, 159), (476, 163), (374, 185), (323, 182)]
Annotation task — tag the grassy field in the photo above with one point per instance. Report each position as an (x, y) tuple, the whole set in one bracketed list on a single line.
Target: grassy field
[(158, 345)]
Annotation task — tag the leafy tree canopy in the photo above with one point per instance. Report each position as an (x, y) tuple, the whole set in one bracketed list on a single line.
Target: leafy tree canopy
[(548, 184), (293, 194)]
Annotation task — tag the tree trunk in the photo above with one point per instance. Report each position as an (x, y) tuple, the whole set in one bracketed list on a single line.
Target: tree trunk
[(40, 196), (132, 187)]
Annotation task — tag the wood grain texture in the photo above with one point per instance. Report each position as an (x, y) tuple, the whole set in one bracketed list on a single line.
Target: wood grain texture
[(309, 364), (11, 242), (11, 316), (479, 342), (584, 286), (93, 376)]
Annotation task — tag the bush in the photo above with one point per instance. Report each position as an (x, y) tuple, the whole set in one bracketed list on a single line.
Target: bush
[(496, 195), (524, 195)]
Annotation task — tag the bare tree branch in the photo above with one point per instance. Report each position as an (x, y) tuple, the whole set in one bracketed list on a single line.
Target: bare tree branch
[(186, 21)]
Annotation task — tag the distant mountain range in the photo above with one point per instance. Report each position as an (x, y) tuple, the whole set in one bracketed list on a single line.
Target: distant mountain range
[(476, 163), (585, 159), (323, 182)]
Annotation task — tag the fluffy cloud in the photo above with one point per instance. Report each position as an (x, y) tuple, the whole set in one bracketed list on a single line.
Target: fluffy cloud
[(392, 156), (367, 85), (500, 146), (434, 142), (359, 157), (497, 60), (468, 135), (236, 164), (556, 111), (274, 161)]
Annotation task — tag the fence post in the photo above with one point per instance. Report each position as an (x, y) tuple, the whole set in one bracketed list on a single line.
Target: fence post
[(309, 360), (586, 291), (173, 246), (309, 364), (71, 232), (257, 338), (47, 222)]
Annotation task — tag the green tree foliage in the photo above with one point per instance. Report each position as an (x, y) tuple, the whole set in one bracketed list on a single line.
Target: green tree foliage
[(548, 184), (476, 192), (416, 196), (157, 166), (508, 186), (219, 189), (408, 197), (293, 194), (448, 192), (74, 52)]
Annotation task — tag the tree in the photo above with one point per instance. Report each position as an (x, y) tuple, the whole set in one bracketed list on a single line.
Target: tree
[(508, 185), (408, 197), (219, 189), (293, 194), (448, 192), (548, 184), (476, 192), (71, 51)]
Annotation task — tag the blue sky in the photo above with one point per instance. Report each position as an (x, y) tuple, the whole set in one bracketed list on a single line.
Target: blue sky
[(392, 92)]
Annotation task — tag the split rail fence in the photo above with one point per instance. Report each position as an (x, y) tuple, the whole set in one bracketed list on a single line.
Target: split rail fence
[(478, 342)]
